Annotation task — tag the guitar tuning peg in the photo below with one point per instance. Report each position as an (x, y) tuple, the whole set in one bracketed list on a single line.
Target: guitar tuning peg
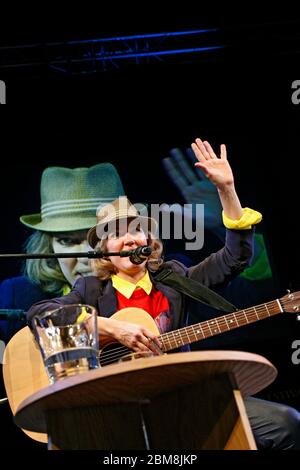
[(289, 295)]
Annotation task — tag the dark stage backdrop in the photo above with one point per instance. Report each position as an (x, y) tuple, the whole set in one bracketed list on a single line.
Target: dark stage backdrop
[(132, 117)]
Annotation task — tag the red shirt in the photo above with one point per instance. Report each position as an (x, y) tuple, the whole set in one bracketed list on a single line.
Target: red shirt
[(154, 304)]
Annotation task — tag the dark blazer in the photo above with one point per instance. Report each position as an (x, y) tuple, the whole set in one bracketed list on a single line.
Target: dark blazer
[(215, 271)]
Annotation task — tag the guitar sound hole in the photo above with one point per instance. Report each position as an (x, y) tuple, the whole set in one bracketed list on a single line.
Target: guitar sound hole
[(113, 353)]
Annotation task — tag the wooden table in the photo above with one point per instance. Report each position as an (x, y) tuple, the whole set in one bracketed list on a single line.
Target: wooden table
[(191, 400)]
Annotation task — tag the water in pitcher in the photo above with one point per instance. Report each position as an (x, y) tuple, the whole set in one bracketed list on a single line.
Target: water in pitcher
[(71, 361)]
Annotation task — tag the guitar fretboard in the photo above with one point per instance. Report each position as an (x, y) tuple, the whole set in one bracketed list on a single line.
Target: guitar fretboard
[(215, 326)]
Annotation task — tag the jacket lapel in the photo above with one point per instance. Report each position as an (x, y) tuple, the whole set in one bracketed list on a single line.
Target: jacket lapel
[(107, 303)]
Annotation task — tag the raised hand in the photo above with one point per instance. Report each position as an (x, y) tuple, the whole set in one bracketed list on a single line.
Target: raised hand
[(216, 169), (220, 174)]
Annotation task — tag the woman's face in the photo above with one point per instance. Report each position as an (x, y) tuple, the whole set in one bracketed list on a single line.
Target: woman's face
[(126, 239), (69, 242)]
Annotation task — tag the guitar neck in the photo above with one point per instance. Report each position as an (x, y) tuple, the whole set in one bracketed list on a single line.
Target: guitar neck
[(215, 326)]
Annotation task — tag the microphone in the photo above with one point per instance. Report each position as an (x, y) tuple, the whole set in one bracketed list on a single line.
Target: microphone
[(139, 255), (136, 256)]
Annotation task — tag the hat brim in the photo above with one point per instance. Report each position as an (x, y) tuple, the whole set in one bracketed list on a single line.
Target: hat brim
[(93, 238), (59, 224)]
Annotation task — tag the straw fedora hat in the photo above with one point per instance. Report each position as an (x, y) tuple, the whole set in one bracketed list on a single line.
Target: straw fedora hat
[(120, 209), (70, 197)]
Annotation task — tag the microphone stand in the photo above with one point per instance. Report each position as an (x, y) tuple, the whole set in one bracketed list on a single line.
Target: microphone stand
[(88, 254)]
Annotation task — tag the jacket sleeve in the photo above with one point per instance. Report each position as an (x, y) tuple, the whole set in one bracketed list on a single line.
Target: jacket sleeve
[(221, 267), (76, 296)]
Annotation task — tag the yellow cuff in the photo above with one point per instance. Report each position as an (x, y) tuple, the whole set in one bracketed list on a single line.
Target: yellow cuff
[(250, 217)]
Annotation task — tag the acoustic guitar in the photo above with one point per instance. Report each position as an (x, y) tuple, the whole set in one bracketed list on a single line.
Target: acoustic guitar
[(24, 372)]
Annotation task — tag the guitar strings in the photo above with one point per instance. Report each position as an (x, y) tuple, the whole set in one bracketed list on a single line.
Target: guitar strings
[(115, 354), (110, 354), (220, 321)]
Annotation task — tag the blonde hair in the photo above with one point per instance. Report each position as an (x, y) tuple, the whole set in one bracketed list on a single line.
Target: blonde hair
[(104, 268), (45, 273)]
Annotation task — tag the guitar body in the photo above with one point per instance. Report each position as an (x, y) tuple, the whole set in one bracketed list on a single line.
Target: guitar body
[(112, 351), (23, 372)]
